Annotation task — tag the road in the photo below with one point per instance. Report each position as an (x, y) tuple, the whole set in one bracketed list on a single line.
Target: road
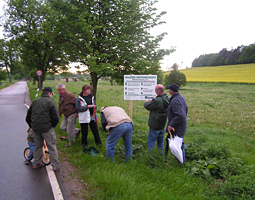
[(17, 180)]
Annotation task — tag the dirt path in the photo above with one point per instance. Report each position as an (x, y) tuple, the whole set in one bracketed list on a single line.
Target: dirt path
[(75, 188)]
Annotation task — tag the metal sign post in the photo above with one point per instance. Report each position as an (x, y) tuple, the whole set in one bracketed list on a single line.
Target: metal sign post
[(39, 73)]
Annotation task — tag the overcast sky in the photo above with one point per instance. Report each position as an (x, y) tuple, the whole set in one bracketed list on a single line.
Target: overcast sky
[(198, 27)]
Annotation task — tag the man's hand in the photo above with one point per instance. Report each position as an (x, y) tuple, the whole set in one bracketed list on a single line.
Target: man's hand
[(170, 128), (91, 106), (148, 100)]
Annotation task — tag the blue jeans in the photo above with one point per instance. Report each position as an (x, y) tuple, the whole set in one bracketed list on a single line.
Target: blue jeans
[(32, 148), (156, 135), (125, 131)]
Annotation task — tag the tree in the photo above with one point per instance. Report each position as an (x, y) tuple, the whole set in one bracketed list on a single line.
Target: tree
[(9, 58), (176, 77), (248, 54), (36, 29), (175, 66), (112, 38)]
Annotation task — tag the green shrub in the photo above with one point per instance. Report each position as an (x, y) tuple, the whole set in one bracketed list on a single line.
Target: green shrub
[(50, 77), (17, 76), (236, 187), (176, 77), (3, 75)]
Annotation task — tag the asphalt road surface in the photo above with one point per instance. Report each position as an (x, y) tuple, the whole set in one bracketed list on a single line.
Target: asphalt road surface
[(17, 180)]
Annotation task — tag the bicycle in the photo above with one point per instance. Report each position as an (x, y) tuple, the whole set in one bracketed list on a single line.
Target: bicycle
[(45, 158)]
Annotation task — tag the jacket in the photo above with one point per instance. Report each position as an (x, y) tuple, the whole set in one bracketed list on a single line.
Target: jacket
[(177, 114), (113, 116), (158, 111), (42, 114), (83, 110), (67, 104)]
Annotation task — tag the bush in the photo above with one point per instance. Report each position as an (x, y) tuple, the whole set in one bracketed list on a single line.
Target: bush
[(3, 75), (81, 77), (176, 77), (17, 76), (50, 77)]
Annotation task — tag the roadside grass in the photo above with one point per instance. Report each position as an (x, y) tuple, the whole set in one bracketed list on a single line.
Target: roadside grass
[(243, 73), (220, 120), (4, 84)]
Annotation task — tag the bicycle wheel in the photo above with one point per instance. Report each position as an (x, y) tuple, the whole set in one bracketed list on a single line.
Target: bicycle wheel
[(26, 152), (46, 158)]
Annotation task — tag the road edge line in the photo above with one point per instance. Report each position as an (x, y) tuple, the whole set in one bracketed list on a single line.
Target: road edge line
[(54, 184)]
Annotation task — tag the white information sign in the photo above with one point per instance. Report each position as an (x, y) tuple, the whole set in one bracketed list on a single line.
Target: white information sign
[(139, 87)]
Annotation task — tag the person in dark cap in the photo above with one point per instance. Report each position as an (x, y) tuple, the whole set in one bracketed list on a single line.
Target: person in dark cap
[(42, 118), (174, 87), (177, 116)]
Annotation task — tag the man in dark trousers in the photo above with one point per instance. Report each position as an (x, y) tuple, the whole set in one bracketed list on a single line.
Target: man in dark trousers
[(177, 116), (157, 119), (42, 118)]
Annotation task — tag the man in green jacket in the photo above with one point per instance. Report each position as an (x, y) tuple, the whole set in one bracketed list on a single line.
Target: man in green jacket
[(42, 118), (157, 119)]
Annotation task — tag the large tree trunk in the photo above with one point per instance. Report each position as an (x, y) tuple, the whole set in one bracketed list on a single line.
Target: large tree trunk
[(9, 74), (94, 81)]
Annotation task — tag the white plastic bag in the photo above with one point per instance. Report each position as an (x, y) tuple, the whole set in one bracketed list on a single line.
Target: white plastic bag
[(175, 144)]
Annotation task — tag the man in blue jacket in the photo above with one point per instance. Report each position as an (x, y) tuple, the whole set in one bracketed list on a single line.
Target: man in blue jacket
[(177, 115)]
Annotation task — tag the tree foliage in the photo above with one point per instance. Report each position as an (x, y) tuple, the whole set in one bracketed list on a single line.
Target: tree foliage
[(176, 77), (36, 30), (175, 66), (248, 54), (9, 57), (112, 38), (3, 75), (242, 54)]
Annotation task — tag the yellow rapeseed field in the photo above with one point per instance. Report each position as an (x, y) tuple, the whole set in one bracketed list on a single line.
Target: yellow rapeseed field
[(243, 73)]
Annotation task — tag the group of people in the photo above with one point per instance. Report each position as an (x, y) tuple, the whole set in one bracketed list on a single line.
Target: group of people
[(43, 116), (161, 108)]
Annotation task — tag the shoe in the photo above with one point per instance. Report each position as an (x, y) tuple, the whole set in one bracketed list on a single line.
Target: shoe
[(38, 166), (56, 169), (27, 162)]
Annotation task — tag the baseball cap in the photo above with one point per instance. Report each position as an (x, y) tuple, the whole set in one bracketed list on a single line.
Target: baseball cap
[(48, 89), (174, 87)]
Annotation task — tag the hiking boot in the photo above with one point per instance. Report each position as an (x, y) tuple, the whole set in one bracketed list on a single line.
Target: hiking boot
[(38, 166)]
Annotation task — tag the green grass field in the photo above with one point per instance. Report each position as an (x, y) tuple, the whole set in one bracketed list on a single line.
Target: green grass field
[(219, 143), (244, 73)]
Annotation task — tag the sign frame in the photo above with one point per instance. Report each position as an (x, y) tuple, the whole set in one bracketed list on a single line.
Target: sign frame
[(139, 87)]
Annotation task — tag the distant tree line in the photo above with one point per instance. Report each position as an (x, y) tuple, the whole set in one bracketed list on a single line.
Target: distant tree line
[(240, 55)]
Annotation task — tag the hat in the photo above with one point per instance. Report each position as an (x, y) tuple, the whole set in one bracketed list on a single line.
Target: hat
[(47, 89), (174, 87)]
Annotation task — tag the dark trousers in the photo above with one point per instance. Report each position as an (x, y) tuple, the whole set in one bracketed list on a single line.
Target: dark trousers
[(84, 131)]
